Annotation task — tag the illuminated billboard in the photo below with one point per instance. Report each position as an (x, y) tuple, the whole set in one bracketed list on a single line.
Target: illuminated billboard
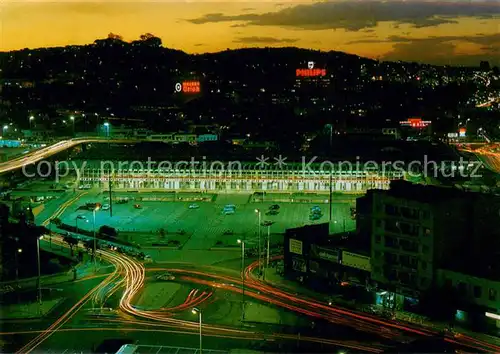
[(192, 86), (462, 132), (357, 261), (310, 72), (326, 254), (295, 246), (415, 123)]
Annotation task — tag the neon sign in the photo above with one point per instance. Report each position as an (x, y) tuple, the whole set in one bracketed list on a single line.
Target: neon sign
[(191, 87), (310, 72), (462, 132), (415, 123)]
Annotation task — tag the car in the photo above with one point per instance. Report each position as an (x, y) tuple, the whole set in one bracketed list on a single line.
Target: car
[(314, 217), (148, 259), (272, 212), (274, 207), (267, 223), (165, 276), (105, 207), (81, 217), (193, 206), (315, 208), (228, 211), (230, 206), (137, 206)]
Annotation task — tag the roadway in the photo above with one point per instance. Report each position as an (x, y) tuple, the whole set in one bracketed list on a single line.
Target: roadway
[(128, 278), (48, 151)]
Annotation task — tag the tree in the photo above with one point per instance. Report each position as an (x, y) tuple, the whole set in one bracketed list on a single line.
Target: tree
[(56, 221), (115, 37), (72, 242), (149, 39)]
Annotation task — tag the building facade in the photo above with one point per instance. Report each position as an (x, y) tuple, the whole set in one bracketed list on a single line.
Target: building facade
[(231, 177), (424, 236)]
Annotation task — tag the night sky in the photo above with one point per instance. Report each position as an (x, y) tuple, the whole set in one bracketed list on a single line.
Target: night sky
[(445, 32)]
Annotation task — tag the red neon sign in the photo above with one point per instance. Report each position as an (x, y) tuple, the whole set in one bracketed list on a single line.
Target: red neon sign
[(310, 72), (415, 123), (191, 87)]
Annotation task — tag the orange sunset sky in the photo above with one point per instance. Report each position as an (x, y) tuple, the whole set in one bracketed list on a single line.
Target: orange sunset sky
[(441, 32)]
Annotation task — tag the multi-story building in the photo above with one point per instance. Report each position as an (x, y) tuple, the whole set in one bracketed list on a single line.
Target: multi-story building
[(416, 230)]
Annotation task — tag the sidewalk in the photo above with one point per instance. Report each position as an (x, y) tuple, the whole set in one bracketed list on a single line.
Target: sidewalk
[(28, 311), (82, 270)]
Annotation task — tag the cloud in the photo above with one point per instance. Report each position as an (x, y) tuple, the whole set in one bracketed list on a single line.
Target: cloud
[(357, 15), (440, 50), (265, 40)]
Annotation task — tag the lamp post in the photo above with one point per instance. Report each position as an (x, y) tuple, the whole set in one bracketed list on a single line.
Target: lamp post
[(30, 119), (39, 272), (5, 127), (72, 118), (242, 279), (330, 126), (259, 220), (19, 251), (95, 241), (268, 244), (197, 311)]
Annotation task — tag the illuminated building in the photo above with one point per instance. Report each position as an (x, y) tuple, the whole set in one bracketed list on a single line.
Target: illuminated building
[(234, 177)]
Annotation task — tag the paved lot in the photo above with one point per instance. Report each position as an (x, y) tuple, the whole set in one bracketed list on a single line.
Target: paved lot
[(207, 224)]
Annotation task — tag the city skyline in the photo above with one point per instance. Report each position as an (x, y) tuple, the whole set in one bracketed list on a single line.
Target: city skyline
[(446, 32)]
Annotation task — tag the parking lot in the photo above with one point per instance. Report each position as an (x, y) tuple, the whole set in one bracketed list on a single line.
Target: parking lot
[(206, 225)]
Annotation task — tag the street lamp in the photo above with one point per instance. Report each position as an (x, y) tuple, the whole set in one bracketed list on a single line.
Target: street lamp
[(197, 311), (72, 118), (259, 220), (31, 118), (95, 241), (38, 261), (19, 250), (330, 126), (242, 279)]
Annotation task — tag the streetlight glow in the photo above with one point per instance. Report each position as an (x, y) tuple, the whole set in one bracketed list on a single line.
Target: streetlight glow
[(198, 311)]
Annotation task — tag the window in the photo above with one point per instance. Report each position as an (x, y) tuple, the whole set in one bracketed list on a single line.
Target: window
[(477, 291), (492, 294)]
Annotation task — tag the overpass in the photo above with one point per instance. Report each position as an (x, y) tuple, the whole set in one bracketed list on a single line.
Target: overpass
[(53, 149)]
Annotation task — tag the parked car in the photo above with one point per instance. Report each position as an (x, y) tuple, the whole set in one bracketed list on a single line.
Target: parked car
[(193, 206), (165, 276), (267, 223), (315, 209), (272, 212), (137, 206), (274, 207), (105, 207)]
